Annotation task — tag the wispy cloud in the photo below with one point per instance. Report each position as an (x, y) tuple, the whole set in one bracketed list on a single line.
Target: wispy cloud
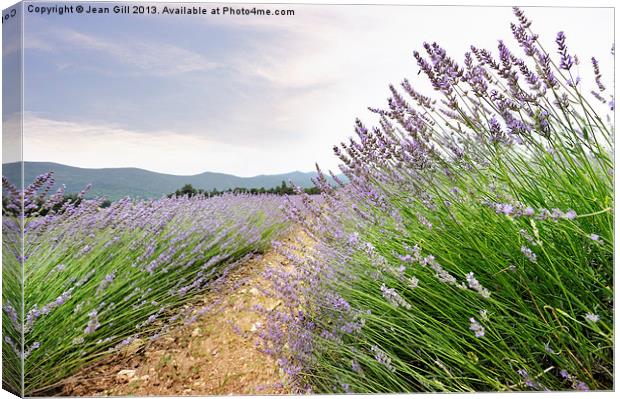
[(98, 146), (150, 57)]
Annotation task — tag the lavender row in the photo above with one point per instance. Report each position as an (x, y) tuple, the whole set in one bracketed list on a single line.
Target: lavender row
[(97, 279)]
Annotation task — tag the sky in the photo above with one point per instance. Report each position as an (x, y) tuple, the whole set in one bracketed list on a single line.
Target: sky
[(245, 95)]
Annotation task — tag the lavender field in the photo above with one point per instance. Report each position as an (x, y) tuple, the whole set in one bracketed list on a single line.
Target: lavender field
[(470, 247), (100, 279)]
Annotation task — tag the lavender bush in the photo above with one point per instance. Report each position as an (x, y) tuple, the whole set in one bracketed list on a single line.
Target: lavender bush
[(472, 249), (11, 290), (97, 280)]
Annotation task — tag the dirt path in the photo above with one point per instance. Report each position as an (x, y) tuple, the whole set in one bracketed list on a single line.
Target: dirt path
[(214, 355)]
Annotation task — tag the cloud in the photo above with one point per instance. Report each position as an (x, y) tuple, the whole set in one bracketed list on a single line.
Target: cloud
[(149, 56), (97, 146)]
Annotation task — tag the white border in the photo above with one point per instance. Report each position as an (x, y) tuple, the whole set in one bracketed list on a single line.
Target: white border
[(531, 3)]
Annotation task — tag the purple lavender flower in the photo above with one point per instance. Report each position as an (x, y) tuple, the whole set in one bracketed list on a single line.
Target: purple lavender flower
[(106, 282), (424, 221), (528, 254), (566, 61), (549, 77), (570, 214), (476, 328), (394, 297), (527, 380), (582, 386), (406, 258), (383, 358), (12, 313), (476, 286), (93, 323), (523, 21), (355, 366), (31, 349), (353, 238)]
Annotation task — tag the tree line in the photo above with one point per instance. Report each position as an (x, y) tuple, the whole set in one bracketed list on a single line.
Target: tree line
[(282, 189)]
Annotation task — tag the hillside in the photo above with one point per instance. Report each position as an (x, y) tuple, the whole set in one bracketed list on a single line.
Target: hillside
[(115, 183)]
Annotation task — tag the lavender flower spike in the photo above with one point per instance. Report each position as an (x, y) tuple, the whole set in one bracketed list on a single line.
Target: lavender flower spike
[(566, 61), (476, 328), (93, 323)]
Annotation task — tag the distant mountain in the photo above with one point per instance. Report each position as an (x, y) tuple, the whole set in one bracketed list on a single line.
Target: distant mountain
[(115, 183)]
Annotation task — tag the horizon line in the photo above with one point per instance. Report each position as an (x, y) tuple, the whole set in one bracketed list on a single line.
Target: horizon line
[(165, 173)]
